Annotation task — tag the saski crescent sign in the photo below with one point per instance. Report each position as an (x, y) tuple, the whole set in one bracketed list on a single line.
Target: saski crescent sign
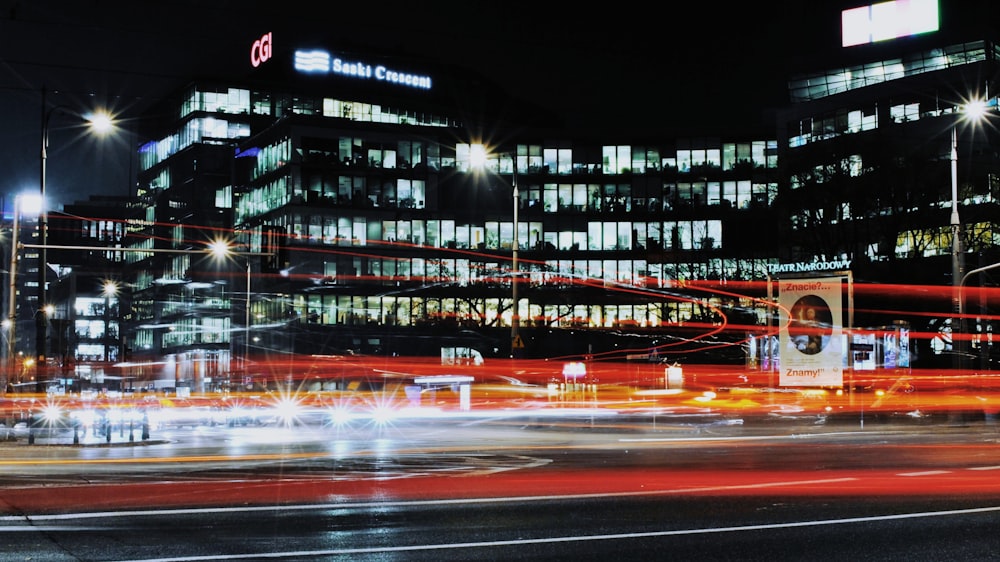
[(322, 62), (316, 61)]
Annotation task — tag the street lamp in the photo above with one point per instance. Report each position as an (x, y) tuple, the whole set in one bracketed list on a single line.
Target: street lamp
[(478, 154), (971, 112), (109, 290), (12, 296), (224, 249), (33, 204), (99, 122), (515, 319)]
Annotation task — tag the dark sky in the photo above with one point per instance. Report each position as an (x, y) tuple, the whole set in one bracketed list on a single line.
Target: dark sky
[(615, 70)]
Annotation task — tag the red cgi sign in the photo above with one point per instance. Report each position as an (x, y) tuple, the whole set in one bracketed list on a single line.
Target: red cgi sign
[(260, 51)]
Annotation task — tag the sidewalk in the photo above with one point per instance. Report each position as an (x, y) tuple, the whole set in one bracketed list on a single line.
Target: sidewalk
[(118, 437)]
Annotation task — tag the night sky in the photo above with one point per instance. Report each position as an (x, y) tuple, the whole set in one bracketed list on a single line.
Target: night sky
[(606, 72)]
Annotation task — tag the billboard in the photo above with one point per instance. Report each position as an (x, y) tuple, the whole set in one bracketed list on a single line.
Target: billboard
[(811, 334), (888, 20)]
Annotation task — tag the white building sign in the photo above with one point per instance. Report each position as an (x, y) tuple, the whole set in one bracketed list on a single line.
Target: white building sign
[(322, 62), (888, 20)]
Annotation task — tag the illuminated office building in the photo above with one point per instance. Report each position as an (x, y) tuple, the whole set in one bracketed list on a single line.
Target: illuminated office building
[(363, 222), (363, 225), (870, 177)]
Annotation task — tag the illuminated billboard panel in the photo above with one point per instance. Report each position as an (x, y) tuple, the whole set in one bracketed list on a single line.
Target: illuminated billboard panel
[(811, 343), (888, 20)]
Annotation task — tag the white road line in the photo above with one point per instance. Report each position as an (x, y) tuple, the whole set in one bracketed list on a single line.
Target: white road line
[(569, 539), (27, 519), (733, 438)]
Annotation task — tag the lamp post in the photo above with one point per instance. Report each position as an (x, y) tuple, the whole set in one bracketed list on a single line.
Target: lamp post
[(223, 249), (109, 290), (12, 277), (33, 204), (477, 161), (99, 122), (41, 324), (515, 319), (12, 297), (972, 112), (246, 324), (956, 252)]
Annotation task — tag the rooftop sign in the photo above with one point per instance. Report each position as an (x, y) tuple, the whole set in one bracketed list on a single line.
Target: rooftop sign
[(322, 62), (802, 267), (888, 20), (260, 50)]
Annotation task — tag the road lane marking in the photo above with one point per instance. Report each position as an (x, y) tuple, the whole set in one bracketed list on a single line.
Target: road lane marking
[(404, 503), (924, 473), (566, 539), (732, 438)]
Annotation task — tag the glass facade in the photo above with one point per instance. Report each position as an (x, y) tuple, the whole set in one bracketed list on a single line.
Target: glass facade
[(385, 223), (388, 227)]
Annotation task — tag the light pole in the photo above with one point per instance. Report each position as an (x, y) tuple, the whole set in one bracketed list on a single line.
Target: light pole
[(224, 249), (515, 319), (15, 252), (973, 112), (956, 253), (246, 323), (12, 296), (99, 122), (478, 154), (109, 290)]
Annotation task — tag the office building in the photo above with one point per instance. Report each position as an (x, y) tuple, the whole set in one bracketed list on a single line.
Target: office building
[(370, 206)]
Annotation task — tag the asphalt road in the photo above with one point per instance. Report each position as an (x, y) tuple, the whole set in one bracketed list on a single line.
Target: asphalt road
[(577, 488)]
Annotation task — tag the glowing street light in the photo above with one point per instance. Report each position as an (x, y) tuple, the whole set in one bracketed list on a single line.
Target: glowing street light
[(29, 204), (478, 155), (223, 249), (99, 122), (971, 112), (109, 291)]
